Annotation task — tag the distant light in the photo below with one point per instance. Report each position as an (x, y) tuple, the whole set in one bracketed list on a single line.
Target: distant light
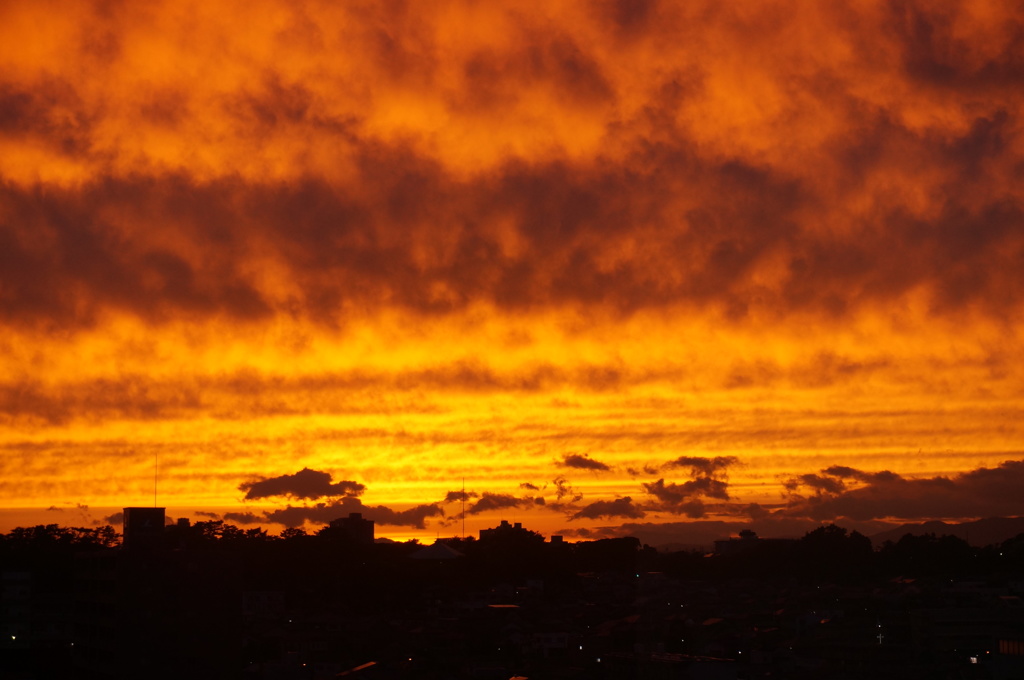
[(599, 659), (974, 659), (14, 637), (581, 647)]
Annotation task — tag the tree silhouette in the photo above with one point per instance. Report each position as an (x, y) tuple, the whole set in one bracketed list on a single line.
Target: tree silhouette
[(928, 555), (832, 551)]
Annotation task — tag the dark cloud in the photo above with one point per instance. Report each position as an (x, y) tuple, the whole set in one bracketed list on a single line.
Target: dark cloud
[(755, 511), (324, 513), (620, 507), (805, 198), (145, 397), (332, 241), (114, 519), (744, 236), (818, 483), (530, 487), (932, 49), (460, 496), (683, 499), (686, 498), (565, 492), (244, 517), (579, 462), (702, 467), (842, 471), (834, 480), (97, 271), (304, 484), (846, 472), (983, 492), (136, 398), (496, 501)]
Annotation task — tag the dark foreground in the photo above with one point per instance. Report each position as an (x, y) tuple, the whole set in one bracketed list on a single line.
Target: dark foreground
[(210, 601)]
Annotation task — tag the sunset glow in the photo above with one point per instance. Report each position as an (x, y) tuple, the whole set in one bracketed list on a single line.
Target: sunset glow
[(607, 264)]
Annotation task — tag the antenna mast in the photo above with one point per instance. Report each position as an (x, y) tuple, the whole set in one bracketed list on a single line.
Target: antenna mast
[(156, 471), (463, 509)]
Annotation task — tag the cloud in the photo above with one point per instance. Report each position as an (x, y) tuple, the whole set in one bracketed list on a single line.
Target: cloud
[(819, 483), (304, 484), (587, 201), (589, 212), (620, 507), (702, 467), (579, 462), (683, 499), (460, 496), (982, 492), (81, 510), (564, 491), (496, 501), (325, 512), (243, 517), (686, 498), (529, 486)]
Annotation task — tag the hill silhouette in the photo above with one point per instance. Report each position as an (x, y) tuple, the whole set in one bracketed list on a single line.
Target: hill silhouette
[(979, 533)]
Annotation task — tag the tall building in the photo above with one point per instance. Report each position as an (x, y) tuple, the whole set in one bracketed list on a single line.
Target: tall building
[(506, 530), (143, 528), (358, 529)]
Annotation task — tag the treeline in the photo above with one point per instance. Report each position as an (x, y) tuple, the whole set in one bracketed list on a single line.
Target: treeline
[(47, 546), (832, 553), (829, 552)]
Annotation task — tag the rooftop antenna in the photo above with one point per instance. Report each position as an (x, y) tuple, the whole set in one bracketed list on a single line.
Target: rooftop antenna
[(156, 472), (463, 509)]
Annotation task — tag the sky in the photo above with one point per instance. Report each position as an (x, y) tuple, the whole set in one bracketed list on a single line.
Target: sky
[(601, 267)]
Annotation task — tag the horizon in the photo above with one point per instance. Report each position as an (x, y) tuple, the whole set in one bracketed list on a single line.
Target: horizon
[(677, 539), (594, 267)]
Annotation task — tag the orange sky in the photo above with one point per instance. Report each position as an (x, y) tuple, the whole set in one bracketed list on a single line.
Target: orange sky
[(617, 264)]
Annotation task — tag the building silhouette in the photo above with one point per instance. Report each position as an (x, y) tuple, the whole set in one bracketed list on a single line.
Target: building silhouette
[(503, 529), (143, 528), (355, 527)]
